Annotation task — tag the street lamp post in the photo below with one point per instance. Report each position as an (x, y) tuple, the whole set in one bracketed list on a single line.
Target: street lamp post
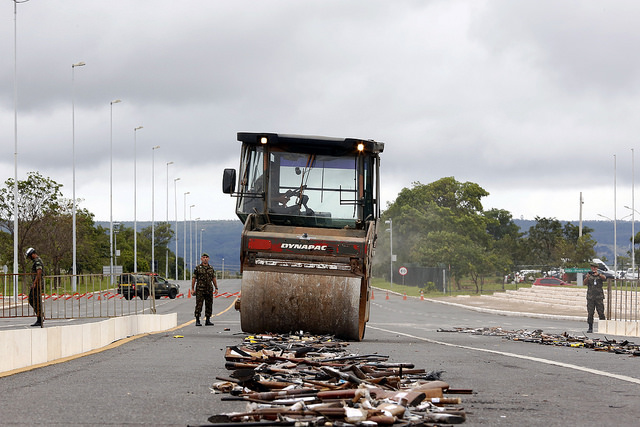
[(111, 190), (615, 243), (175, 208), (135, 200), (195, 232), (115, 244), (166, 263), (633, 237), (633, 217), (390, 230), (153, 195), (200, 251), (190, 238), (184, 237), (73, 155), (16, 269)]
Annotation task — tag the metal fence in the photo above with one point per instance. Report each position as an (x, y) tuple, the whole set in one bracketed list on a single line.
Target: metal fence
[(72, 297), (621, 301)]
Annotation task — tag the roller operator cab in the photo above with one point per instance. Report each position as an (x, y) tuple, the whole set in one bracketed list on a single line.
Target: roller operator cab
[(310, 207)]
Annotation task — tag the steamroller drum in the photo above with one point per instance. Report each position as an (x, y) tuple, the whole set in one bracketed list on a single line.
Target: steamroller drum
[(286, 302)]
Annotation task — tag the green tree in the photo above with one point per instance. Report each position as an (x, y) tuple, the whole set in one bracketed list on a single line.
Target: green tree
[(443, 223), (543, 240), (549, 243), (38, 197), (163, 234)]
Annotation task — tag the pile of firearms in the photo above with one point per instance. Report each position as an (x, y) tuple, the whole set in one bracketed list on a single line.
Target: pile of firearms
[(565, 339), (308, 380)]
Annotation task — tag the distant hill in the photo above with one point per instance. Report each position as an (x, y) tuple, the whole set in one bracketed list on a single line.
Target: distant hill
[(221, 239), (603, 234)]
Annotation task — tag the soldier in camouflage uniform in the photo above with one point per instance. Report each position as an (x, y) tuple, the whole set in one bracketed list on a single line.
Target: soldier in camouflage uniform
[(595, 294), (204, 277), (35, 292)]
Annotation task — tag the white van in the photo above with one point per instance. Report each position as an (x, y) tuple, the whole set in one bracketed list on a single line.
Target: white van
[(604, 269)]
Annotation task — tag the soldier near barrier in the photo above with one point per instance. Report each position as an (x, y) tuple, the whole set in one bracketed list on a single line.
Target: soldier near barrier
[(202, 283), (35, 292), (595, 294)]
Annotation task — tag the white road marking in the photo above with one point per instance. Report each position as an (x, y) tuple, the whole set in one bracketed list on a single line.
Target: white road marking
[(518, 356)]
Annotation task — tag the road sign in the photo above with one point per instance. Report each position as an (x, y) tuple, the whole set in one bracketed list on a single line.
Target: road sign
[(403, 271), (577, 270)]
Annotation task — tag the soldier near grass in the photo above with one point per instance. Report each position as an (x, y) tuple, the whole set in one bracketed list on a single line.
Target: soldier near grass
[(202, 283), (595, 294), (35, 291)]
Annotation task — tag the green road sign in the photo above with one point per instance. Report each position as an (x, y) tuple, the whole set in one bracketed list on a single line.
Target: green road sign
[(577, 270)]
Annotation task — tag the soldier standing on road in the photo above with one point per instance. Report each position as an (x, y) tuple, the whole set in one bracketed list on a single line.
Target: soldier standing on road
[(35, 292), (595, 294), (204, 276)]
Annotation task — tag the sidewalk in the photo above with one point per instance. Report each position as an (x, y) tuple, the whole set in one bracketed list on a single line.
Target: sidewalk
[(511, 307), (535, 301)]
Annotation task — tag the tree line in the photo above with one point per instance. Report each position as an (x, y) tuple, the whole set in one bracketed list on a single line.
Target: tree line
[(45, 221), (443, 224)]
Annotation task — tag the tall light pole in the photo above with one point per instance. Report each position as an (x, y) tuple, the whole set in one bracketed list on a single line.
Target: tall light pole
[(175, 208), (74, 270), (115, 243), (633, 216), (633, 238), (111, 190), (166, 262), (184, 237), (615, 213), (615, 242), (390, 230), (195, 232), (153, 204), (200, 251), (190, 238), (135, 200), (15, 152), (579, 275)]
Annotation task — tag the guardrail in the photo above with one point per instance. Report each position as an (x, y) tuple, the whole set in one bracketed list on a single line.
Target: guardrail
[(68, 296)]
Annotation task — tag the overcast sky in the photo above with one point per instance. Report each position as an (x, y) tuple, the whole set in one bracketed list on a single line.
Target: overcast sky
[(532, 100)]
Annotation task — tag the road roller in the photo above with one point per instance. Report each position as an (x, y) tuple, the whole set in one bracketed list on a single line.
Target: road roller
[(310, 206)]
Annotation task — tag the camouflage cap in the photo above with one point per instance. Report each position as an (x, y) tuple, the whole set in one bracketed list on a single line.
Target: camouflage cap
[(205, 254)]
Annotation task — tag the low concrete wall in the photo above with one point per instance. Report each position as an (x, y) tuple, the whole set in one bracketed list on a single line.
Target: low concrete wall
[(26, 347), (619, 327)]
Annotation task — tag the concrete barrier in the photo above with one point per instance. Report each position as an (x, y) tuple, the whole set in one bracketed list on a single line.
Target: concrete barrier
[(27, 347)]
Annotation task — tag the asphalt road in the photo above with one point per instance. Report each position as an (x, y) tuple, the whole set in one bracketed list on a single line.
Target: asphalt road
[(165, 378)]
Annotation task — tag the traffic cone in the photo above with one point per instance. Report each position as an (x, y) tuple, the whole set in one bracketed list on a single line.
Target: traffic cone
[(421, 296), (404, 297), (189, 293), (387, 295), (372, 294)]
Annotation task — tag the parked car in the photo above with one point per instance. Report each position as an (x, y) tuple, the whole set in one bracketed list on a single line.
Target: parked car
[(550, 281), (631, 274), (137, 285)]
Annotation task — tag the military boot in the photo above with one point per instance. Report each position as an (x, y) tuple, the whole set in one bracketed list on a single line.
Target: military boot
[(198, 322), (38, 322), (208, 322), (590, 330)]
